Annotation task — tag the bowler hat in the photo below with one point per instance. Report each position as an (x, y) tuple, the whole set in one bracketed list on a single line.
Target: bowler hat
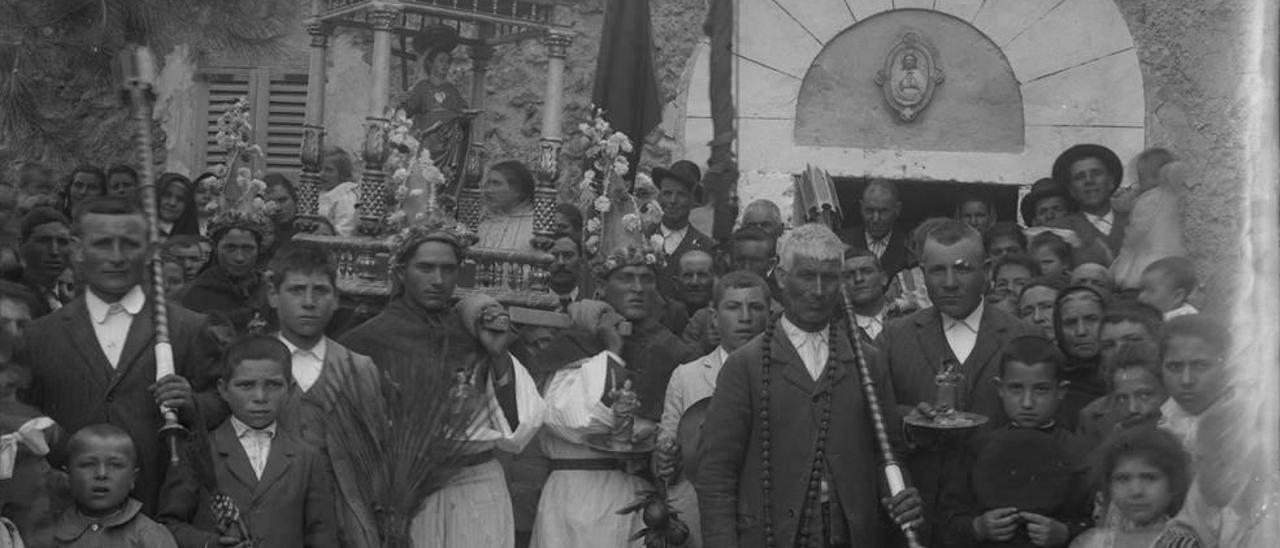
[(1062, 166), (1044, 188), (684, 171)]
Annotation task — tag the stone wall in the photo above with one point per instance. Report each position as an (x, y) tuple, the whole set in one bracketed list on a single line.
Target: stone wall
[(1193, 56)]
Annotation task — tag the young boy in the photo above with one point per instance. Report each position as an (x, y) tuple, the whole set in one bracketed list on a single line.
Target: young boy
[(302, 289), (1191, 361), (1137, 392), (102, 464), (991, 498), (1167, 283), (279, 484)]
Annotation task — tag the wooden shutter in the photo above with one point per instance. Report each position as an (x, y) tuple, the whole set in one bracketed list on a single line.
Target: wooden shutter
[(286, 113), (277, 101)]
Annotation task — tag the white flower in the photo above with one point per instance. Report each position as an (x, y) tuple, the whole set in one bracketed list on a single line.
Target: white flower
[(656, 241), (650, 258), (401, 174), (593, 225), (621, 166), (626, 146), (602, 204), (396, 217), (584, 128), (631, 222), (593, 244), (417, 192)]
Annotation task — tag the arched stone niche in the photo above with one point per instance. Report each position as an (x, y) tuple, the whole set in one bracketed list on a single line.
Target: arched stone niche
[(976, 104), (1074, 63)]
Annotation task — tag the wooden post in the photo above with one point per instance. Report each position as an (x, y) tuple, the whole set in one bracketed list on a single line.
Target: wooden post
[(544, 204), (313, 129), (373, 188)]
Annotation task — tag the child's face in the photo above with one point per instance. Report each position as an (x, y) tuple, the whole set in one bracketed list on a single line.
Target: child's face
[(1141, 491), (1029, 393), (255, 391), (1137, 393), (1193, 373), (1158, 290), (1113, 336), (101, 475), (1050, 263)]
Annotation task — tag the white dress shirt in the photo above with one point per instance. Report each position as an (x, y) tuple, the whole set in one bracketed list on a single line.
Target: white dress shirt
[(813, 347), (307, 362), (962, 334), (671, 238), (871, 324), (878, 245), (1102, 222), (111, 321), (256, 443)]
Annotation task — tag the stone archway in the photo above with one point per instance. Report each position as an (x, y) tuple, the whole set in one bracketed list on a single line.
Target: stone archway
[(1073, 61)]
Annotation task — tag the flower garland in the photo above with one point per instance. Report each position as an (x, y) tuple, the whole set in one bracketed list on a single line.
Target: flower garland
[(603, 191), (418, 215), (242, 199)]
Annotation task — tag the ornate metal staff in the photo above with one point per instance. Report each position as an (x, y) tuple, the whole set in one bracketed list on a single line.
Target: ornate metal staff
[(892, 471), (139, 72)]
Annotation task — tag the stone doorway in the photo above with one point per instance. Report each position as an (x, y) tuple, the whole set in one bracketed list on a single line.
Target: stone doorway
[(924, 199)]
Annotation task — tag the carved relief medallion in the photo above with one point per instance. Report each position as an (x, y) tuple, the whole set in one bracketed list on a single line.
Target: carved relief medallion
[(910, 76)]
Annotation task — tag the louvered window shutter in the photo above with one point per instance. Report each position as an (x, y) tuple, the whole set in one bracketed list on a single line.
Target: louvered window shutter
[(277, 101), (286, 113)]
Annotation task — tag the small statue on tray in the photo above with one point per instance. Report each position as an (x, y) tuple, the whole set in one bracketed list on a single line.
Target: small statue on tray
[(948, 381), (625, 404)]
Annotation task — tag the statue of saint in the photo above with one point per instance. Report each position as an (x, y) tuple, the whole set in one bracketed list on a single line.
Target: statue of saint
[(441, 121), (625, 404)]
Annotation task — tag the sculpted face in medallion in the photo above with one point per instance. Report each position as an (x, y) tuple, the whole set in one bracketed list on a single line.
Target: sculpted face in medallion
[(910, 76)]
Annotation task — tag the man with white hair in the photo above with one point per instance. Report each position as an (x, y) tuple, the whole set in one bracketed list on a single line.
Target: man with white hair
[(880, 206), (788, 447), (764, 215)]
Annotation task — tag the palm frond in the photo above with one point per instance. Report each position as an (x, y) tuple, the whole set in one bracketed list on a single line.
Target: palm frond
[(405, 449)]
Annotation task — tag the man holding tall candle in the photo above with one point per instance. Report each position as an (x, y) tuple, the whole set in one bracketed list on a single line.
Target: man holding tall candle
[(93, 361)]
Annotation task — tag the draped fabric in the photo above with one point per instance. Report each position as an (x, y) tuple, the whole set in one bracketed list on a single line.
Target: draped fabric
[(626, 85)]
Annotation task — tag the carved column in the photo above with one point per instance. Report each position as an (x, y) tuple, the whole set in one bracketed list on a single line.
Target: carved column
[(313, 129), (373, 188), (557, 42), (468, 207)]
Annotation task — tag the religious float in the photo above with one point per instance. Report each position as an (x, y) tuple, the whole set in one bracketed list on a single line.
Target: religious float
[(445, 125)]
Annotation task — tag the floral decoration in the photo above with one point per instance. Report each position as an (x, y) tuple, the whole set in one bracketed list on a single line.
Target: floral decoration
[(418, 215), (241, 201), (604, 193)]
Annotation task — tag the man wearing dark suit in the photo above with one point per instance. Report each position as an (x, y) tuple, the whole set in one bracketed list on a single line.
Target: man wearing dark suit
[(958, 327), (1091, 174), (93, 360), (302, 290), (879, 232), (812, 447), (677, 186)]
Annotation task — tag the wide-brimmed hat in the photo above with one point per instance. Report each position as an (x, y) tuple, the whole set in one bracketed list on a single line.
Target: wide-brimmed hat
[(1044, 188), (684, 171), (1062, 166)]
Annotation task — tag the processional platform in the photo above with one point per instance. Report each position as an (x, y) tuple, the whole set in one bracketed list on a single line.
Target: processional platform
[(516, 278)]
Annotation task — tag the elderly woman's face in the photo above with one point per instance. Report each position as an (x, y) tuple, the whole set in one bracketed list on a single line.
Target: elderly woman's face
[(499, 192)]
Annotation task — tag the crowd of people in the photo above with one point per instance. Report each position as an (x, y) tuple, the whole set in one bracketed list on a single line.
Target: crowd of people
[(1068, 342)]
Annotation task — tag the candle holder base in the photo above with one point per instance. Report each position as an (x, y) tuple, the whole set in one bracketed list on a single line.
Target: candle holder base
[(960, 420)]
